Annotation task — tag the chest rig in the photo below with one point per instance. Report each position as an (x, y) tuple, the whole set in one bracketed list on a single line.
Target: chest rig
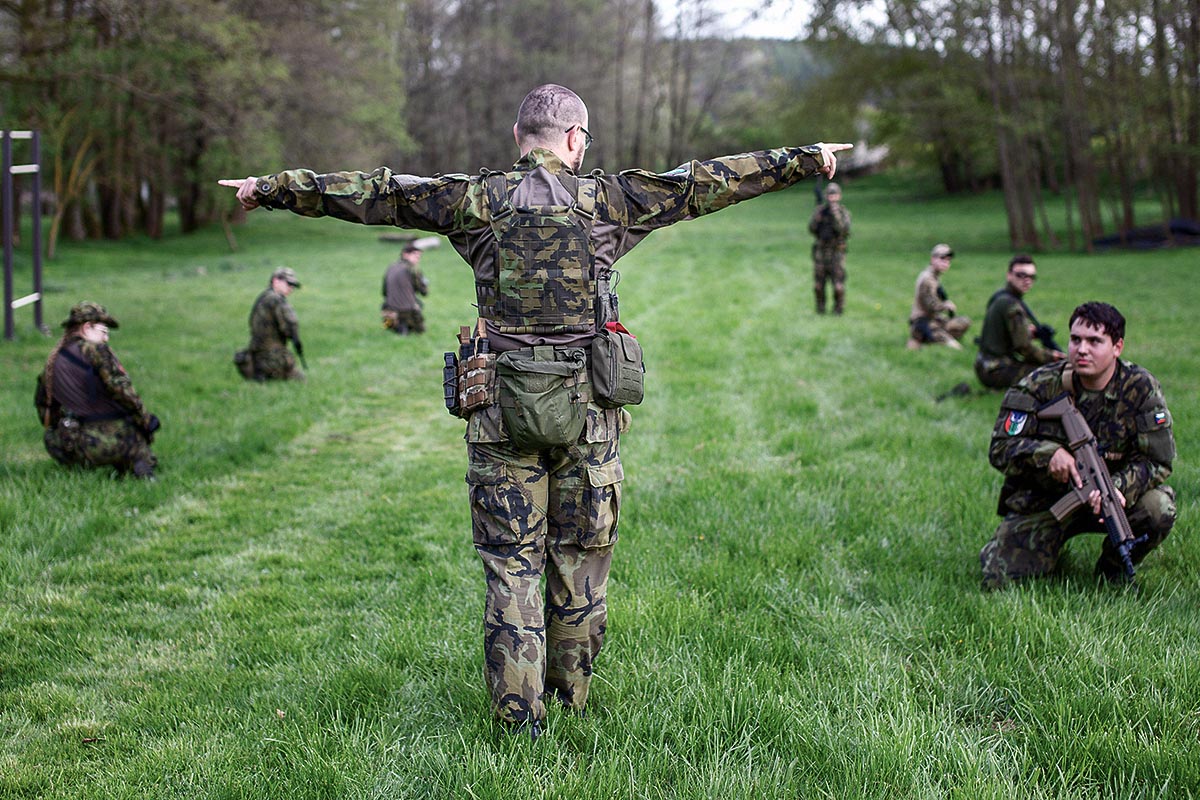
[(544, 279)]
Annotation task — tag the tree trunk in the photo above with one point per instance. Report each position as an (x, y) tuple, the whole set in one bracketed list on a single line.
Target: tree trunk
[(1076, 135)]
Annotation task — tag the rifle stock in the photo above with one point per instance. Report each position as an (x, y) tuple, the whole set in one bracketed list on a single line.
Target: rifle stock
[(1094, 475)]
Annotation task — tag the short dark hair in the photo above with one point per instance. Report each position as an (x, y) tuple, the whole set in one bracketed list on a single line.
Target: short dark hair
[(1020, 258), (548, 112), (1101, 316)]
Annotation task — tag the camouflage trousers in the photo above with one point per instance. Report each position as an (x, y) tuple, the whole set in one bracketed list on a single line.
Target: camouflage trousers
[(935, 330), (404, 322), (554, 514), (829, 265), (115, 442), (1028, 545), (998, 372), (275, 364)]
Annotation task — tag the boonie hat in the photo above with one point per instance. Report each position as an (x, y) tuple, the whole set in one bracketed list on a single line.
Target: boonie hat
[(88, 311), (942, 251), (286, 274)]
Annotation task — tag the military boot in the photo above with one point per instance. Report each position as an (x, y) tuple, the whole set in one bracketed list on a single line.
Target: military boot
[(839, 301), (820, 295)]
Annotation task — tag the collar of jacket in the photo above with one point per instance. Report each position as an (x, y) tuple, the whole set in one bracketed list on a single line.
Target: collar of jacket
[(539, 157)]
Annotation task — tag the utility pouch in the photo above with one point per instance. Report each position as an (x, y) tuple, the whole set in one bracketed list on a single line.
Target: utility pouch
[(543, 396), (469, 376), (450, 383), (618, 368), (476, 382)]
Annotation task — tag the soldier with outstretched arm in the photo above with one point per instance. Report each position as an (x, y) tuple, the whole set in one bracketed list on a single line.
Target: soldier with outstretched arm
[(544, 471), (1124, 409)]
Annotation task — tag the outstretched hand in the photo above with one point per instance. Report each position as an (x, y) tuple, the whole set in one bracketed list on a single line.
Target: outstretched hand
[(827, 155), (245, 194)]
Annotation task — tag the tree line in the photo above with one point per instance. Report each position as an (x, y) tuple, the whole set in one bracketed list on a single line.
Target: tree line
[(144, 103), (1094, 100)]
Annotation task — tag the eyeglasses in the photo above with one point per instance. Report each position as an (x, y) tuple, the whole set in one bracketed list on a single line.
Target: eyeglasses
[(587, 137), (1025, 276)]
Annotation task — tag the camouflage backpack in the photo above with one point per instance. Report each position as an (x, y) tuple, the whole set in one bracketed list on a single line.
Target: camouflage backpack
[(544, 280)]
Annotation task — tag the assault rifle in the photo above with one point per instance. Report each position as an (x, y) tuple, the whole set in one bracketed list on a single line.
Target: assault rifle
[(1044, 333), (1093, 473)]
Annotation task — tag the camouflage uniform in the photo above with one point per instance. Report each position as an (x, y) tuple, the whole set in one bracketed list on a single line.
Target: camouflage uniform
[(1007, 349), (272, 323), (401, 284), (830, 224), (1133, 432), (930, 320), (554, 511), (94, 417)]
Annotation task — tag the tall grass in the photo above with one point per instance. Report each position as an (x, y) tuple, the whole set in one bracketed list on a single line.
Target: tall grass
[(293, 608)]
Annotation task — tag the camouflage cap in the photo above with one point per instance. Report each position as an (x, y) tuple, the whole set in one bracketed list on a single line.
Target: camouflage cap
[(942, 251), (833, 188), (286, 274), (88, 311)]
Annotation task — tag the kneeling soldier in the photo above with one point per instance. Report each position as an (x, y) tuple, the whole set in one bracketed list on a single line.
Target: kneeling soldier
[(86, 401), (1125, 409)]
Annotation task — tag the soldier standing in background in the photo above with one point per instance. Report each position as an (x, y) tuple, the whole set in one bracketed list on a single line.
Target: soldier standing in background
[(402, 283), (830, 227), (272, 323), (1125, 409), (1008, 347), (86, 401), (933, 317), (542, 241)]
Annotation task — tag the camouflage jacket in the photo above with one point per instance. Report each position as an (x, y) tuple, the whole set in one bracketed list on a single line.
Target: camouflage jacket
[(90, 384), (1129, 418), (929, 299), (1006, 331), (830, 224), (272, 322), (627, 206), (401, 284)]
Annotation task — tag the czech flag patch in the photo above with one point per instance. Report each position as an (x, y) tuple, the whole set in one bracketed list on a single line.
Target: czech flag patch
[(1160, 418), (1014, 423)]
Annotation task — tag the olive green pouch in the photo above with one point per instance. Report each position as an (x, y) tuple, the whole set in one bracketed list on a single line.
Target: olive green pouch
[(617, 367), (544, 394)]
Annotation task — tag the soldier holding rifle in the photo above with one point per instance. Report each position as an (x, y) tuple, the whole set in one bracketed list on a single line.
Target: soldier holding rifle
[(1124, 407)]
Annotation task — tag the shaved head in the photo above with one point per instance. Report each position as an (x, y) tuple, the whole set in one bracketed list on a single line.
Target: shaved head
[(547, 113)]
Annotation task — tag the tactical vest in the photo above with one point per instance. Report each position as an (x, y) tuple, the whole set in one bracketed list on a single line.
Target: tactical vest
[(78, 389), (544, 280)]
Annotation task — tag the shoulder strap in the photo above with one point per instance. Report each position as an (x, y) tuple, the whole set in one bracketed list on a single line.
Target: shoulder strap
[(499, 202), (1068, 381), (585, 195)]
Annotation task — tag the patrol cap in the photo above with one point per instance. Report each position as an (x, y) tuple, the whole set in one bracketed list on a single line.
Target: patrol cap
[(88, 311), (942, 251), (832, 188), (286, 274)]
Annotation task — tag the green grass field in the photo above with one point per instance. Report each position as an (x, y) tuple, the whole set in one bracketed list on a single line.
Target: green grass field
[(293, 609)]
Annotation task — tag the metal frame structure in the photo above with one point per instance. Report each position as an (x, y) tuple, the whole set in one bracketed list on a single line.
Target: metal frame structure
[(6, 187)]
